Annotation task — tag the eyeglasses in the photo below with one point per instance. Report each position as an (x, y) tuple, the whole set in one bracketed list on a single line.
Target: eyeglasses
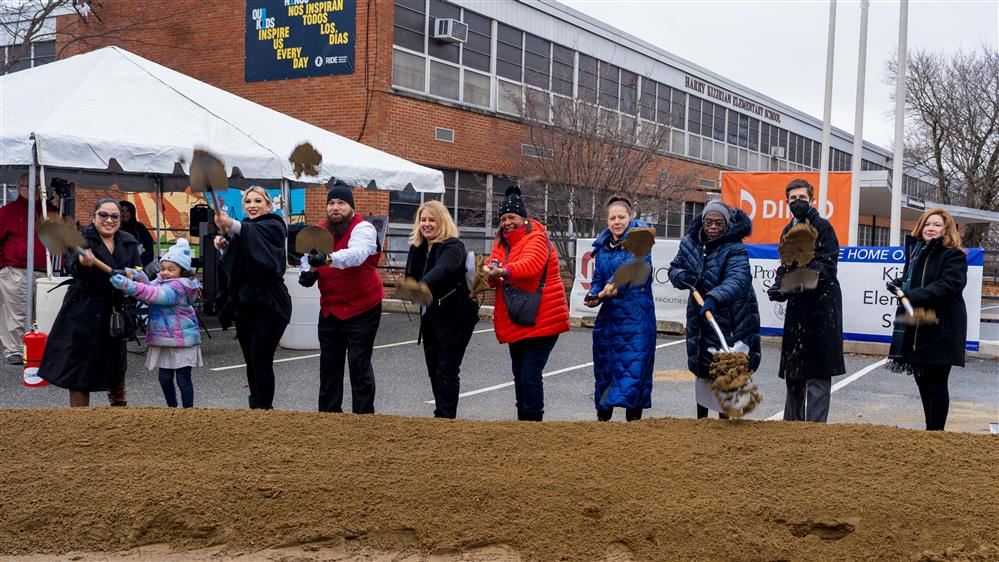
[(720, 223), (113, 217)]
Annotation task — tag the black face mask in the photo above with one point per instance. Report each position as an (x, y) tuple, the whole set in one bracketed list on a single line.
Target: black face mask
[(799, 208)]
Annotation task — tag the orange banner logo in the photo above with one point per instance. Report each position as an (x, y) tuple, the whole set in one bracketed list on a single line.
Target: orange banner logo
[(761, 196)]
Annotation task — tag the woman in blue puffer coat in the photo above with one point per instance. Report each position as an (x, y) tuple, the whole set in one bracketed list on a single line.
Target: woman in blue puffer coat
[(713, 260), (624, 336)]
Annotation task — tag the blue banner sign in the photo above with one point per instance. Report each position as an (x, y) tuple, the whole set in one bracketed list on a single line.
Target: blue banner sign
[(299, 38)]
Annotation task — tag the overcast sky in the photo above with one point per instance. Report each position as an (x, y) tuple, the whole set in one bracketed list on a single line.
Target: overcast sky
[(779, 48)]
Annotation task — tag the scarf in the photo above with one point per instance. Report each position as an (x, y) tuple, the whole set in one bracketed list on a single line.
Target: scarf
[(896, 362)]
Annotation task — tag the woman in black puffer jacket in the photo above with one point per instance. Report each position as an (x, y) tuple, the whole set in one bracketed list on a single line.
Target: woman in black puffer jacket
[(437, 260), (713, 260), (935, 273)]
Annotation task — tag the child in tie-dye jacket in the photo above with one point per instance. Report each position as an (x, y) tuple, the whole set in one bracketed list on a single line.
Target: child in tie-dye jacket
[(173, 338)]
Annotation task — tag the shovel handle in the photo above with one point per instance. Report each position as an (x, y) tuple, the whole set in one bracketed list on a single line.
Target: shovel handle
[(905, 302), (98, 263), (711, 320)]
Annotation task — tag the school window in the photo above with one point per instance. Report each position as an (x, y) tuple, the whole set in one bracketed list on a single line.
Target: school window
[(754, 134), (477, 50), (410, 24), (37, 54), (609, 85), (537, 61), (509, 52), (562, 70), (587, 78), (408, 70), (691, 209), (442, 49), (629, 92), (648, 99), (444, 80), (476, 88), (678, 101), (718, 129)]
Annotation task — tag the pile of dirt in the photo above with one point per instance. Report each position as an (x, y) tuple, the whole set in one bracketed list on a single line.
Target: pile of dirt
[(205, 484)]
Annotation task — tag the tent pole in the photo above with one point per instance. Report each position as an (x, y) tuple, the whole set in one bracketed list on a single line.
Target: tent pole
[(159, 202), (45, 217), (286, 201), (30, 265)]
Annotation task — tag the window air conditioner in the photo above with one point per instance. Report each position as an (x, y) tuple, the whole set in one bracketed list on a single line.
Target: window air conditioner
[(450, 30), (776, 151)]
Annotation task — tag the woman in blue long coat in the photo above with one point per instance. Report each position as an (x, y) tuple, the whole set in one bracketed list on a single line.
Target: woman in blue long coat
[(713, 259), (624, 336)]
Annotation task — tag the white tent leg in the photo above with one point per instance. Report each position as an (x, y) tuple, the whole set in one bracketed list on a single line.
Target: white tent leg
[(285, 201), (30, 266), (45, 216)]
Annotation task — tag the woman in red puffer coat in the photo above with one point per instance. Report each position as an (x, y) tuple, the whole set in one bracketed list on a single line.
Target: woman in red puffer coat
[(524, 260)]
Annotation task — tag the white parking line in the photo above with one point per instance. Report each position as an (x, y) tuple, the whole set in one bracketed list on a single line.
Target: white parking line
[(556, 372), (314, 355), (780, 415)]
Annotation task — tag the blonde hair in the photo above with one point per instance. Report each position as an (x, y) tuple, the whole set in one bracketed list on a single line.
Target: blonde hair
[(257, 189), (445, 224), (951, 237)]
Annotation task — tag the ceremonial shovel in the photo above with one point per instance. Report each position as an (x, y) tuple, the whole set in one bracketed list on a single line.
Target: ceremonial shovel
[(61, 237)]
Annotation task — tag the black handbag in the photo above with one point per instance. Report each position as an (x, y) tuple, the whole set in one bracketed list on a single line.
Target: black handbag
[(521, 306)]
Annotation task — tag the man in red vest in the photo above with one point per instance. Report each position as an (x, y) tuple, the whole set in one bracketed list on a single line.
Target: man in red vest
[(351, 294), (14, 269)]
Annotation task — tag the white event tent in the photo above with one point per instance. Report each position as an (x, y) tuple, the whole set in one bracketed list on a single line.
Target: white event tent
[(112, 117)]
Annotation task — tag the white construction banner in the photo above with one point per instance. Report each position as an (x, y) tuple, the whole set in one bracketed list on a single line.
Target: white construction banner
[(868, 309)]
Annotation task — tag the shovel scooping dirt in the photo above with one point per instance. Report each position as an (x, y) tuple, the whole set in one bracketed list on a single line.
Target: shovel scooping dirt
[(731, 379)]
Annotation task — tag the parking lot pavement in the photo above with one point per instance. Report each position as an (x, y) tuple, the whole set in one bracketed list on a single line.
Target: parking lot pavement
[(403, 388)]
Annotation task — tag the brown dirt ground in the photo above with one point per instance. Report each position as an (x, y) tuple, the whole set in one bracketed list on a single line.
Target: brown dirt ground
[(156, 484)]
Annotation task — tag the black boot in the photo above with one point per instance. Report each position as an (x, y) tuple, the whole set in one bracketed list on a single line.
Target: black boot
[(252, 402), (633, 414), (605, 415)]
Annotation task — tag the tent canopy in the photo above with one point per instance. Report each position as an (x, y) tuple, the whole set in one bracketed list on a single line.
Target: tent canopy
[(113, 111)]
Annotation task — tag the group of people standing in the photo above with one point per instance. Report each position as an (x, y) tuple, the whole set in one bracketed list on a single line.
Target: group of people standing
[(531, 309)]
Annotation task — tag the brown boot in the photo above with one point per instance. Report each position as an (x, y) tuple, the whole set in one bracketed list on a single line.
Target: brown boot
[(116, 395)]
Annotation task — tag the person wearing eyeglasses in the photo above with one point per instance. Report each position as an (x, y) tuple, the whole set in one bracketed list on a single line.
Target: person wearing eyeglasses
[(83, 353), (713, 259)]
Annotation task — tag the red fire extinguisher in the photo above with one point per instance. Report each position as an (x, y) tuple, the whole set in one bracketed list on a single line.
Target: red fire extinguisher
[(34, 349)]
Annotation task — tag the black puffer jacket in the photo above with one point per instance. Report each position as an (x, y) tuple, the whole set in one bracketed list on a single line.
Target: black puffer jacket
[(938, 281), (722, 270)]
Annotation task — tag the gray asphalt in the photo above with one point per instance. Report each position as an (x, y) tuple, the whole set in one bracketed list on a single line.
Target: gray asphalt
[(879, 397)]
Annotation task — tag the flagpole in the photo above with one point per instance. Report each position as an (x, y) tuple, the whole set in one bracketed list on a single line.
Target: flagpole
[(858, 127), (897, 176), (827, 112)]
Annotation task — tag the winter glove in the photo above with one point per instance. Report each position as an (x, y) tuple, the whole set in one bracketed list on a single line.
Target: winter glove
[(316, 259), (894, 285), (123, 284), (709, 306), (591, 300), (775, 295), (306, 266), (685, 280)]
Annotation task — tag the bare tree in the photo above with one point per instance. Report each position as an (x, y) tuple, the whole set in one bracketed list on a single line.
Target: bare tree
[(579, 154), (952, 127), (82, 27)]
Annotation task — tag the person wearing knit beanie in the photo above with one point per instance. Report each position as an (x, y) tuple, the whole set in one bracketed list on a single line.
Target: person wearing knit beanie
[(513, 202), (341, 191), (180, 254)]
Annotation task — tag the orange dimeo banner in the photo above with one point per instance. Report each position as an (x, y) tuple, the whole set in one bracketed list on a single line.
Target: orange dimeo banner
[(761, 196)]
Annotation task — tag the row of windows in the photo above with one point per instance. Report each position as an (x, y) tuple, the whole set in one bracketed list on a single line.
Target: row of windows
[(39, 53), (534, 73), (474, 200)]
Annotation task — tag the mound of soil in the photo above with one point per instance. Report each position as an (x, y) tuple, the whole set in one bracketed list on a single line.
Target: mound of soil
[(206, 484)]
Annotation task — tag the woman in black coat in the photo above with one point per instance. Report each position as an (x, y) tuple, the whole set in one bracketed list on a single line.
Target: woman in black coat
[(934, 276), (81, 354), (437, 260), (254, 295)]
